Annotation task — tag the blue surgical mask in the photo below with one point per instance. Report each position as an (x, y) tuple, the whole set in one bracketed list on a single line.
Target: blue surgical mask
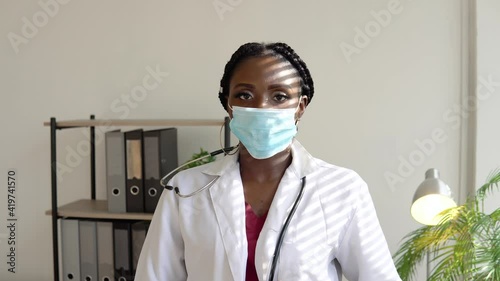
[(264, 131)]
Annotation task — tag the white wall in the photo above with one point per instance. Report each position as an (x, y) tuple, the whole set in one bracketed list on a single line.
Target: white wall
[(488, 113), (374, 111)]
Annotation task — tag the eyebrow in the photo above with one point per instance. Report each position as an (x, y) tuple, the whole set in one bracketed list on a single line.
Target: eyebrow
[(244, 85), (274, 86)]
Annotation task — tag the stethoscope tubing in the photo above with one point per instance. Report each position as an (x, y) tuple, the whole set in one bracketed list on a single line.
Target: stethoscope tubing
[(281, 236), (176, 189), (164, 180)]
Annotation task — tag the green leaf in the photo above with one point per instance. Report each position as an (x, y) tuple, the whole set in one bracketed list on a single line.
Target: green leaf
[(464, 245), (204, 158)]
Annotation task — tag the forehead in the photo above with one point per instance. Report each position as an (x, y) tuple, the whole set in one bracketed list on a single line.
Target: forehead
[(270, 69)]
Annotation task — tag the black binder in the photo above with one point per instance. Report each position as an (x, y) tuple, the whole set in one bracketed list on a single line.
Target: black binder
[(134, 171), (122, 251), (139, 230), (160, 157)]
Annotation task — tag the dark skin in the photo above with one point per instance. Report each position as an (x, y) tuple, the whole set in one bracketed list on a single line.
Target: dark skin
[(264, 82)]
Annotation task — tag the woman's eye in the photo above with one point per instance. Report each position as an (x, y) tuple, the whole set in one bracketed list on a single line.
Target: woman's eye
[(244, 95), (280, 97)]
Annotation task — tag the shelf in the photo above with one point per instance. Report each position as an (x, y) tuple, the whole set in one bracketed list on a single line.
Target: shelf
[(135, 122), (96, 209)]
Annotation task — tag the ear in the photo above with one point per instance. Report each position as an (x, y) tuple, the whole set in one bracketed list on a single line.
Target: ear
[(228, 110), (302, 106)]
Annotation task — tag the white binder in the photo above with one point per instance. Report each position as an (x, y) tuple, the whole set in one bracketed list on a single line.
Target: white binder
[(115, 171), (70, 249), (106, 267), (88, 250)]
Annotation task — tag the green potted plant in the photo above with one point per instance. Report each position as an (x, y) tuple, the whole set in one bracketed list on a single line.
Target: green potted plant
[(464, 245), (203, 153)]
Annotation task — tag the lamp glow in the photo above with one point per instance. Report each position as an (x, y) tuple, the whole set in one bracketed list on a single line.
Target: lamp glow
[(431, 198)]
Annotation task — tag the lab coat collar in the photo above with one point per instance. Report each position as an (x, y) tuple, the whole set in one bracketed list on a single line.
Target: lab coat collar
[(302, 164), (229, 205)]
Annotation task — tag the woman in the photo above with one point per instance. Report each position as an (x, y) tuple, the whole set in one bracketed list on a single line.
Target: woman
[(234, 229)]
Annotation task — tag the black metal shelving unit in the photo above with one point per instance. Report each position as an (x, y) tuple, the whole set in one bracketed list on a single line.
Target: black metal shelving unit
[(54, 126)]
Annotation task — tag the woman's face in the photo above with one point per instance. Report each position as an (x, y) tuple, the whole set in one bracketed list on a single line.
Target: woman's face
[(266, 82)]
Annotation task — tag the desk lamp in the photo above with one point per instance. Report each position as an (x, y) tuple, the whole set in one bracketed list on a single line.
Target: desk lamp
[(431, 198)]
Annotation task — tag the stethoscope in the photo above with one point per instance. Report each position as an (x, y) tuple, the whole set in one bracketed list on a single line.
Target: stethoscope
[(277, 249)]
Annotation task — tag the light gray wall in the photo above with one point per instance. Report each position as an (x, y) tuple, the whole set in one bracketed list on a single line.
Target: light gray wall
[(488, 91), (383, 106)]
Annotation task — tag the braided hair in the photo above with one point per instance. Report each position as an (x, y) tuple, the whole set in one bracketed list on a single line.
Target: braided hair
[(253, 49)]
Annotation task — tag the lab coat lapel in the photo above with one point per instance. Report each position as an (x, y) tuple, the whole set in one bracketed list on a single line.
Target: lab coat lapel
[(280, 207), (229, 205), (302, 165)]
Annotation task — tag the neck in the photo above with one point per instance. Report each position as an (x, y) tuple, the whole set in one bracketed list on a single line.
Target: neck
[(264, 170)]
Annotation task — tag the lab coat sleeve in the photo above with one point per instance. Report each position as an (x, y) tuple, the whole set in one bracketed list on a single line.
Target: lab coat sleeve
[(363, 252), (162, 255)]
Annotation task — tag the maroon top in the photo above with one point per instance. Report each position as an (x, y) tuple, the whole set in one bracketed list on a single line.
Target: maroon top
[(254, 225)]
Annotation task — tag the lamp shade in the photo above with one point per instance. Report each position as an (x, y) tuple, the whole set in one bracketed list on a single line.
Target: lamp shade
[(431, 198)]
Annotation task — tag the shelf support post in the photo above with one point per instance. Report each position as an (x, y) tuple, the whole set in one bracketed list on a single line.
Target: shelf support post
[(92, 160), (53, 165)]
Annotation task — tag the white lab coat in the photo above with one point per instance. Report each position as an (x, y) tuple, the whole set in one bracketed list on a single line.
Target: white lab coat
[(334, 230)]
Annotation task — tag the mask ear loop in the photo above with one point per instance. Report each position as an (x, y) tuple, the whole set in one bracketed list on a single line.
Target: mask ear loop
[(296, 109), (220, 142), (229, 106)]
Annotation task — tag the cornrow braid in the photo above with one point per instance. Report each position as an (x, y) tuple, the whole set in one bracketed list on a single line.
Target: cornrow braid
[(253, 49)]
